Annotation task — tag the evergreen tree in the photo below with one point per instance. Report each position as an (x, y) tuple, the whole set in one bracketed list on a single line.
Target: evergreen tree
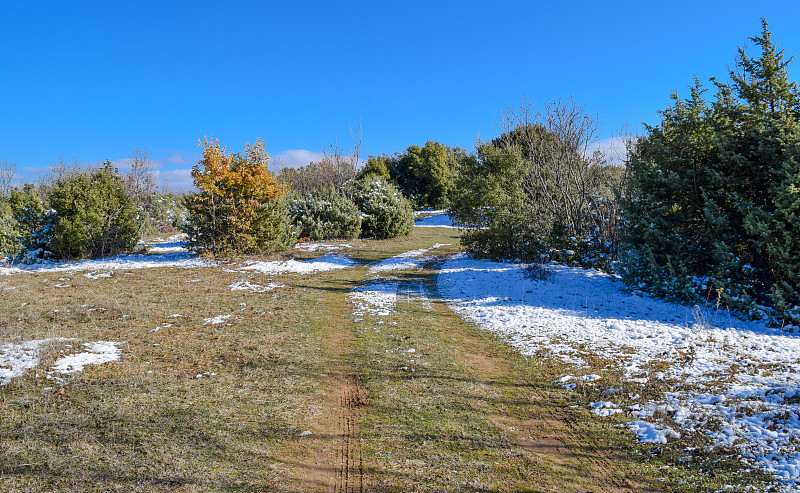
[(93, 215), (714, 205), (424, 174)]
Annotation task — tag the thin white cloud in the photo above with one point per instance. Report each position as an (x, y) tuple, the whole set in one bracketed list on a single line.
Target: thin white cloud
[(615, 149), (176, 180), (177, 157), (34, 169), (294, 158)]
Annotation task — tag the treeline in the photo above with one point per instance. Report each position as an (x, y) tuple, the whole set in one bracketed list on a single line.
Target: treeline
[(81, 212), (704, 207)]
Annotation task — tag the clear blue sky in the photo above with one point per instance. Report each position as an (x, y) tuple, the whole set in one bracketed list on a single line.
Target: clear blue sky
[(93, 80)]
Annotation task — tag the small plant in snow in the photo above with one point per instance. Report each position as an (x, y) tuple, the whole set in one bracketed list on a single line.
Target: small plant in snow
[(537, 272)]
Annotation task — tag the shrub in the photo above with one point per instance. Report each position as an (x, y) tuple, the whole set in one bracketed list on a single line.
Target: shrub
[(9, 231), (376, 166), (536, 193), (714, 205), (325, 215), (386, 212), (164, 213), (93, 215), (272, 227), (425, 174), (35, 223), (232, 212)]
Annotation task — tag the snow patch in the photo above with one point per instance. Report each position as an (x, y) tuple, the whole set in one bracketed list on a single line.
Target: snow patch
[(743, 375), (254, 287), (96, 353), (649, 433), (438, 220), (378, 299), (127, 262), (413, 259), (321, 264), (320, 247)]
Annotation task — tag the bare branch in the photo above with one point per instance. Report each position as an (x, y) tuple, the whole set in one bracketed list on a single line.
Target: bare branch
[(7, 173)]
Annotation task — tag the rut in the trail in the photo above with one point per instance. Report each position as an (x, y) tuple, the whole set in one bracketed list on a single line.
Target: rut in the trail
[(349, 463)]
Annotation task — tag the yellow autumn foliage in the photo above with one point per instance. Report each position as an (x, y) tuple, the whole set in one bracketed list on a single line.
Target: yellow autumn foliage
[(237, 194)]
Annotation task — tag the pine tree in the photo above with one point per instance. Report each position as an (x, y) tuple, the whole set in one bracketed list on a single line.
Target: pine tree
[(715, 203)]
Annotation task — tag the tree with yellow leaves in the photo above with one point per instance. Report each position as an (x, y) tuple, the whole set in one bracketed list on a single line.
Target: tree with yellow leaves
[(238, 208)]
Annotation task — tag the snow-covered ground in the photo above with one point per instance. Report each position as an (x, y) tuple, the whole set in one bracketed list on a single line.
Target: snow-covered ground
[(250, 287), (413, 259), (175, 243), (438, 219), (18, 359), (321, 264), (320, 247), (377, 298), (127, 262), (96, 353), (736, 382)]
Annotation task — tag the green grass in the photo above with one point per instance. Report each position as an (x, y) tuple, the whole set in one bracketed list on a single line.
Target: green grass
[(293, 394)]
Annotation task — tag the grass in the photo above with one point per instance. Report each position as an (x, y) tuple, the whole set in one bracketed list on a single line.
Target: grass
[(291, 393)]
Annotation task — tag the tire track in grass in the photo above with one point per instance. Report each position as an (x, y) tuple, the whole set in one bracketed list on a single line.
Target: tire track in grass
[(349, 460)]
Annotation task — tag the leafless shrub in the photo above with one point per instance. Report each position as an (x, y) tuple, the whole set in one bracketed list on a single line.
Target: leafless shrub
[(336, 169), (7, 173), (139, 182)]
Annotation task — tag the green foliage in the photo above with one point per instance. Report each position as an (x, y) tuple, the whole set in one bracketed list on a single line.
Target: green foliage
[(272, 228), (325, 215), (424, 174), (9, 230), (386, 212), (714, 203), (517, 205), (163, 213), (35, 224), (28, 210), (376, 166), (233, 211), (491, 203), (93, 215)]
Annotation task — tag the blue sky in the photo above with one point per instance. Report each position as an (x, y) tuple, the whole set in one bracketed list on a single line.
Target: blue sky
[(90, 81)]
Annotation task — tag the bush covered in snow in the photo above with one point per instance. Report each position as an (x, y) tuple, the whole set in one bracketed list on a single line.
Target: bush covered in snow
[(714, 208), (325, 215), (386, 213)]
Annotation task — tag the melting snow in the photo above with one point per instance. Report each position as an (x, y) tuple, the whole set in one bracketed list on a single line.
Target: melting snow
[(127, 262), (253, 287), (96, 353), (93, 275), (604, 408), (744, 375), (438, 220), (17, 359), (378, 298), (175, 243), (321, 264), (219, 319), (317, 247), (408, 260), (649, 433)]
